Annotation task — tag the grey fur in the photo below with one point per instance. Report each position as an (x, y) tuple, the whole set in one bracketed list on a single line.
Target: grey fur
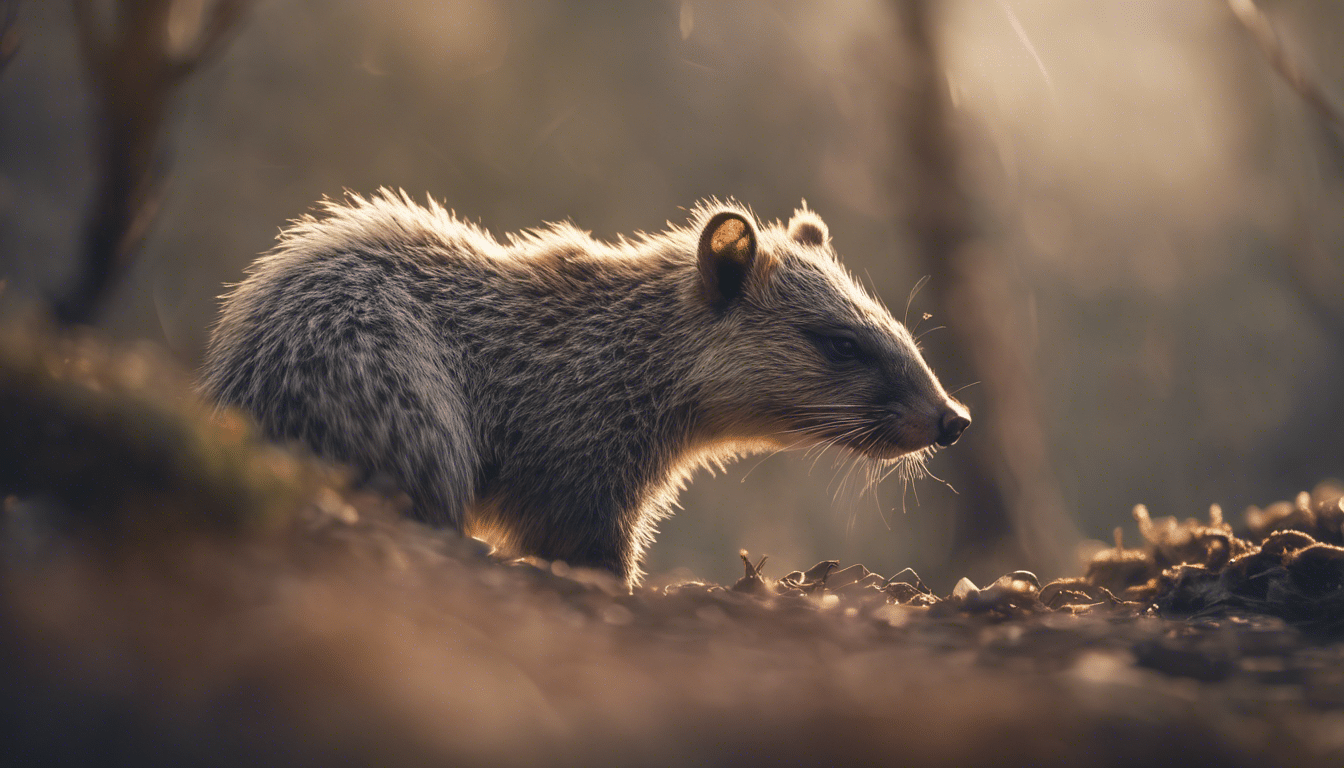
[(553, 392)]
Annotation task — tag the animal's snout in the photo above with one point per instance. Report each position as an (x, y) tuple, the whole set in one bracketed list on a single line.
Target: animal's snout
[(952, 423)]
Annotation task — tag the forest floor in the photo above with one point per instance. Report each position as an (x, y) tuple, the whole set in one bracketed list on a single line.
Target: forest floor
[(174, 593)]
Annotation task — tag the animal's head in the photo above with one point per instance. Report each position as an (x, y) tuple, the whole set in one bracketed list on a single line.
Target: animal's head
[(801, 354)]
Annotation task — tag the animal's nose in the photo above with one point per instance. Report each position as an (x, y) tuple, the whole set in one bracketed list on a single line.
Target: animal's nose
[(954, 421)]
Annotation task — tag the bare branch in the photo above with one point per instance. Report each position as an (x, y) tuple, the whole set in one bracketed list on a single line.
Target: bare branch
[(214, 35), (92, 46), (1267, 39), (134, 80), (1317, 292), (1301, 268), (9, 34)]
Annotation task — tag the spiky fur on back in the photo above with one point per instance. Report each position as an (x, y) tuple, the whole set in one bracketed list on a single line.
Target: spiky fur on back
[(551, 391)]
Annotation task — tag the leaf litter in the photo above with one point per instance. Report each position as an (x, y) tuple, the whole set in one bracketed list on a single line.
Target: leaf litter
[(137, 629)]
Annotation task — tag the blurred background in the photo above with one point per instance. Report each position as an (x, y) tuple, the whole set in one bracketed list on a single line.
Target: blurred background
[(1131, 223)]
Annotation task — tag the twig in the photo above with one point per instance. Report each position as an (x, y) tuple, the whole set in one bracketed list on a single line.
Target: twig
[(91, 47), (214, 36), (134, 76), (1267, 39), (1316, 292), (9, 33)]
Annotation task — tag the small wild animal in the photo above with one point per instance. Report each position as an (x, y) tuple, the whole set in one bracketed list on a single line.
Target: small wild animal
[(553, 392)]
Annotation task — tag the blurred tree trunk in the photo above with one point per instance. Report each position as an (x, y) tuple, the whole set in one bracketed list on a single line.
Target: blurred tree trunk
[(134, 71), (1009, 507), (9, 33), (1308, 265), (1314, 276)]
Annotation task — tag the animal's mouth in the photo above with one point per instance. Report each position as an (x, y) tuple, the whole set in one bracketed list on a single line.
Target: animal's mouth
[(883, 438), (883, 451), (890, 433), (882, 446)]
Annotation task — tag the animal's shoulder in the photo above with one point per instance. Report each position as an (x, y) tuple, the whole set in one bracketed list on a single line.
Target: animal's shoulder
[(388, 225)]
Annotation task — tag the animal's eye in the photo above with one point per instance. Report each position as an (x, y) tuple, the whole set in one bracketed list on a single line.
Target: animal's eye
[(840, 348)]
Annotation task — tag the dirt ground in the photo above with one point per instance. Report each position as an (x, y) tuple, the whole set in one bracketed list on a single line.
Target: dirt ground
[(177, 594)]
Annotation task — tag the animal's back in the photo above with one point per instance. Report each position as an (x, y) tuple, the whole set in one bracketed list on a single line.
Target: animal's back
[(328, 342)]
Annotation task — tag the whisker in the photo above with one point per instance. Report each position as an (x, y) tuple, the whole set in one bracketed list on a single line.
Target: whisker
[(963, 386), (873, 469), (941, 480), (826, 428), (905, 320), (819, 429), (847, 460), (905, 488), (828, 444), (901, 464), (848, 490), (821, 451), (923, 316), (928, 331), (768, 456)]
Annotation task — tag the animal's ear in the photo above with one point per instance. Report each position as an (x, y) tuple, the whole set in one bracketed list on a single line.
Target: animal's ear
[(807, 228), (727, 253)]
